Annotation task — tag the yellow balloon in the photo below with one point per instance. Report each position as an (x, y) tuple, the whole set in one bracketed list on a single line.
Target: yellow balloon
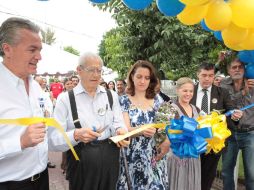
[(192, 14), (248, 43), (194, 2), (234, 35), (243, 13), (234, 47), (218, 15)]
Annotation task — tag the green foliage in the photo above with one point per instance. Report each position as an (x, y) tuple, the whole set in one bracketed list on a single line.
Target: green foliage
[(48, 36), (172, 47), (70, 49)]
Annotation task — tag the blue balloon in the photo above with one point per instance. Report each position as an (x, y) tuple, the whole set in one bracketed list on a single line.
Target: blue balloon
[(218, 35), (245, 56), (137, 5), (170, 7), (249, 71), (99, 1), (204, 26)]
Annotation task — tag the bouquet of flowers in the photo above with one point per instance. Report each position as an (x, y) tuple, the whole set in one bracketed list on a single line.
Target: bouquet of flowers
[(164, 114)]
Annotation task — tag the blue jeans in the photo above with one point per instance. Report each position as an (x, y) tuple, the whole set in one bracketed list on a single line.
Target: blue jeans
[(238, 141)]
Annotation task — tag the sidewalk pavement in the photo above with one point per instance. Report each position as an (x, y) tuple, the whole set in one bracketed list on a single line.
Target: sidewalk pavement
[(57, 179)]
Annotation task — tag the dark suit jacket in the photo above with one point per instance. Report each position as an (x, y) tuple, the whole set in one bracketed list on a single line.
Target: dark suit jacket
[(223, 102), (219, 94)]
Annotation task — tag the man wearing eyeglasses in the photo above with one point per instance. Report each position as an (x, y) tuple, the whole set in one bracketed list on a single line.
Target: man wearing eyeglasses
[(242, 93), (98, 120)]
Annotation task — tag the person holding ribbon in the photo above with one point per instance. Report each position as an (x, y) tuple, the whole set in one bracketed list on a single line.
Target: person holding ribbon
[(184, 173), (23, 150), (241, 92), (90, 114), (139, 168), (209, 97)]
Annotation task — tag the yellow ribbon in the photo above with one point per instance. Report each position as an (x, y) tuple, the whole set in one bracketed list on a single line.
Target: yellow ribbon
[(140, 129), (214, 120), (48, 121), (219, 128)]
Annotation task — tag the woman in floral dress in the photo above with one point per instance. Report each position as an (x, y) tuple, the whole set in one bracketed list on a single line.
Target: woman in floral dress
[(139, 106)]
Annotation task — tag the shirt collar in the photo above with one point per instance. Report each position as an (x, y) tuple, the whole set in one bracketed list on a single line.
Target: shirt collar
[(79, 89), (12, 78), (200, 88)]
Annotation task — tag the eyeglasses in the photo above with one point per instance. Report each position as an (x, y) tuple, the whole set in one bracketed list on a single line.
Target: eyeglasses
[(237, 67), (92, 70)]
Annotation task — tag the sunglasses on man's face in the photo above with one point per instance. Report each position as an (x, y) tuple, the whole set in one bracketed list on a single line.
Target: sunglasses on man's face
[(237, 67)]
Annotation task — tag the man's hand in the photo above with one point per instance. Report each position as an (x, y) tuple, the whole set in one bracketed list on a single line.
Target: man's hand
[(237, 114), (33, 135), (250, 83), (85, 135), (162, 149), (122, 143), (149, 132)]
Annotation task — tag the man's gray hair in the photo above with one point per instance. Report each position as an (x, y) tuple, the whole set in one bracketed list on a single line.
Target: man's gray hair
[(9, 30), (88, 55)]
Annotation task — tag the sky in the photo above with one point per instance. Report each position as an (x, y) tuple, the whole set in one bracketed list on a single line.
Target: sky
[(76, 23)]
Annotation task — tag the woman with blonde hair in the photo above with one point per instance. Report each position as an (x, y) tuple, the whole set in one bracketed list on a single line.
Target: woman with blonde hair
[(184, 173)]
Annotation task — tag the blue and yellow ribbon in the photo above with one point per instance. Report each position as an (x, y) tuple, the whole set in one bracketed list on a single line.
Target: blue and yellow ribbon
[(219, 129), (186, 139), (48, 122)]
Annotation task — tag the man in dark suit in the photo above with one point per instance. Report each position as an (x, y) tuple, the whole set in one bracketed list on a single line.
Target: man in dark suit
[(209, 97)]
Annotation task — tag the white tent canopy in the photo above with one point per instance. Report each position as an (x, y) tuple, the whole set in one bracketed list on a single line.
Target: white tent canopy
[(56, 60)]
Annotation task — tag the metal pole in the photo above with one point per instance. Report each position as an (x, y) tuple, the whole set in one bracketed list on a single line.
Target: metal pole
[(128, 177)]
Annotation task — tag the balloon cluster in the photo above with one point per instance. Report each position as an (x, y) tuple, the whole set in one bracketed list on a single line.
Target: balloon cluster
[(231, 21)]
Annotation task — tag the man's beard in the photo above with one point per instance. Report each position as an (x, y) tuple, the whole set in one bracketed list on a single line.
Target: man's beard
[(237, 76)]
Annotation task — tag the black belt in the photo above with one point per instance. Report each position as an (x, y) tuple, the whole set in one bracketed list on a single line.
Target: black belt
[(99, 142), (29, 180)]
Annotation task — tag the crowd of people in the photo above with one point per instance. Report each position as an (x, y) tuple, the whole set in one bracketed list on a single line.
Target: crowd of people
[(91, 111)]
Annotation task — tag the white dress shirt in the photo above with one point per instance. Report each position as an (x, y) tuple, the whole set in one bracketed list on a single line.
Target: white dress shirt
[(15, 163), (92, 112), (200, 95)]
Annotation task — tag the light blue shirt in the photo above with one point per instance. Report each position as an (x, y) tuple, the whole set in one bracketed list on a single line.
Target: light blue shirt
[(92, 111)]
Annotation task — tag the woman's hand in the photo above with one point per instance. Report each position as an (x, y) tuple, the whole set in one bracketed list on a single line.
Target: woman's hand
[(162, 150), (149, 132), (122, 143)]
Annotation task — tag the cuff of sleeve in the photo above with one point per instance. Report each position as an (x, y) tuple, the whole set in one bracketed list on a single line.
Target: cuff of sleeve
[(70, 134), (11, 147)]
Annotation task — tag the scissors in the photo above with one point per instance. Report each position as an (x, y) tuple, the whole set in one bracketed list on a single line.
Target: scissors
[(100, 130)]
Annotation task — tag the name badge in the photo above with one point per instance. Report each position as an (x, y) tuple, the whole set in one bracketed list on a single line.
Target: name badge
[(214, 100)]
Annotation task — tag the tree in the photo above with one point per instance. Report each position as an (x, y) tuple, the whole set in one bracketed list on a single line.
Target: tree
[(70, 49), (113, 52), (48, 36), (171, 46)]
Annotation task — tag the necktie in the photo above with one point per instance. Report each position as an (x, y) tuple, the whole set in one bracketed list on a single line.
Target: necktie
[(204, 104)]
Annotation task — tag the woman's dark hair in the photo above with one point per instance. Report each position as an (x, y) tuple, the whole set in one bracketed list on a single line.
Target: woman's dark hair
[(65, 81), (150, 92), (112, 83), (104, 83)]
